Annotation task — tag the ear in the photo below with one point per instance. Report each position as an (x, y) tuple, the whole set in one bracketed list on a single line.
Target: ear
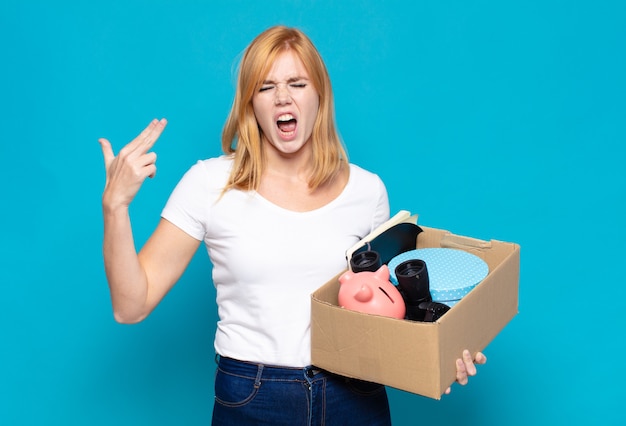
[(382, 273), (346, 276)]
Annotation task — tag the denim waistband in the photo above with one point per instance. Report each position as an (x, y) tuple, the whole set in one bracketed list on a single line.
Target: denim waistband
[(268, 372)]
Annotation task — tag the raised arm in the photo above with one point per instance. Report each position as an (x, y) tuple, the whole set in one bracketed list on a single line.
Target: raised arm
[(138, 282)]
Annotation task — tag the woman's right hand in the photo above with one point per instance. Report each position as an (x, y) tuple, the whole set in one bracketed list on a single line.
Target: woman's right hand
[(126, 172)]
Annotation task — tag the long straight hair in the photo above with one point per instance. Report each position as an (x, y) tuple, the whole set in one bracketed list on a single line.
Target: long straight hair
[(241, 136)]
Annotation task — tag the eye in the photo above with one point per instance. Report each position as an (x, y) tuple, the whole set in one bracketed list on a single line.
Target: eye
[(298, 85), (265, 88)]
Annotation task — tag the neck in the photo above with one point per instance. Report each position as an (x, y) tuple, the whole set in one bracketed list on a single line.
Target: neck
[(294, 166)]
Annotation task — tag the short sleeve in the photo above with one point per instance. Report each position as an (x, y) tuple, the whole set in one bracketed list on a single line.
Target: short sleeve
[(187, 206), (381, 213)]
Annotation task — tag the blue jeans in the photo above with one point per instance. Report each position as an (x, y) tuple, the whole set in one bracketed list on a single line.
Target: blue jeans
[(255, 394)]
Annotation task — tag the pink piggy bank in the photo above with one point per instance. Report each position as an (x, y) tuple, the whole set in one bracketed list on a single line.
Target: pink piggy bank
[(371, 293)]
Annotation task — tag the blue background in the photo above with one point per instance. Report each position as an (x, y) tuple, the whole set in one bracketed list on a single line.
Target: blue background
[(503, 120)]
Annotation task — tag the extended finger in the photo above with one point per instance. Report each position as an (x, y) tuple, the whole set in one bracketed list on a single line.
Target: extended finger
[(151, 133), (480, 358), (107, 151), (146, 139)]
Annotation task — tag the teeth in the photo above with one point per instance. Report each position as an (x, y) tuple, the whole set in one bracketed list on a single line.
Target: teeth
[(285, 117)]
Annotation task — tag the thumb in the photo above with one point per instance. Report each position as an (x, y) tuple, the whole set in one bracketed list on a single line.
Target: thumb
[(107, 151)]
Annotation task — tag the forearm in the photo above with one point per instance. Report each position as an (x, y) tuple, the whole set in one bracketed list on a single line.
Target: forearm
[(125, 173), (127, 279)]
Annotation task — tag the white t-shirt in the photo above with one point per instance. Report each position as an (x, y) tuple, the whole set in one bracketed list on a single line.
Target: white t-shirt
[(267, 260)]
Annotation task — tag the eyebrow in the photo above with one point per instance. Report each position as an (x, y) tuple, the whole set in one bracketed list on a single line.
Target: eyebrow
[(289, 80)]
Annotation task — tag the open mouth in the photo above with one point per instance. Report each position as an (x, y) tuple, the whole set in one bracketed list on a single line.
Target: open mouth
[(287, 124)]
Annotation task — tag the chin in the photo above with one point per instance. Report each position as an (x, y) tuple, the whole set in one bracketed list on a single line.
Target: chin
[(289, 147)]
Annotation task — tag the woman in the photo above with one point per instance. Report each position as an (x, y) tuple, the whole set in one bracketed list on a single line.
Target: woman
[(276, 213)]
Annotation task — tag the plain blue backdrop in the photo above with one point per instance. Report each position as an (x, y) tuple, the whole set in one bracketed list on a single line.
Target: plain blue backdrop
[(492, 119)]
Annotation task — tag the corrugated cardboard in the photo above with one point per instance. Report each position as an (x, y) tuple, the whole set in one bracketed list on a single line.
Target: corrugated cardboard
[(414, 356)]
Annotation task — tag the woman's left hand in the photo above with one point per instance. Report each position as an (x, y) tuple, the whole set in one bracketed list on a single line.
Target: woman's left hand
[(466, 367)]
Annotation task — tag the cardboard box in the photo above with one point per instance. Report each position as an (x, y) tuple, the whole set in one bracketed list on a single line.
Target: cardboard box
[(414, 356)]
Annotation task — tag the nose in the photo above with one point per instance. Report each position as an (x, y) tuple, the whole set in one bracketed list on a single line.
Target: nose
[(282, 94)]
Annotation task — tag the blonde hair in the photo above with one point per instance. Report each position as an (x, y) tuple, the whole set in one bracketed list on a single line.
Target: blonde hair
[(241, 136)]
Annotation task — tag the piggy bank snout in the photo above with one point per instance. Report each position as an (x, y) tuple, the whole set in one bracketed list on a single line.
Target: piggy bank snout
[(364, 294)]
